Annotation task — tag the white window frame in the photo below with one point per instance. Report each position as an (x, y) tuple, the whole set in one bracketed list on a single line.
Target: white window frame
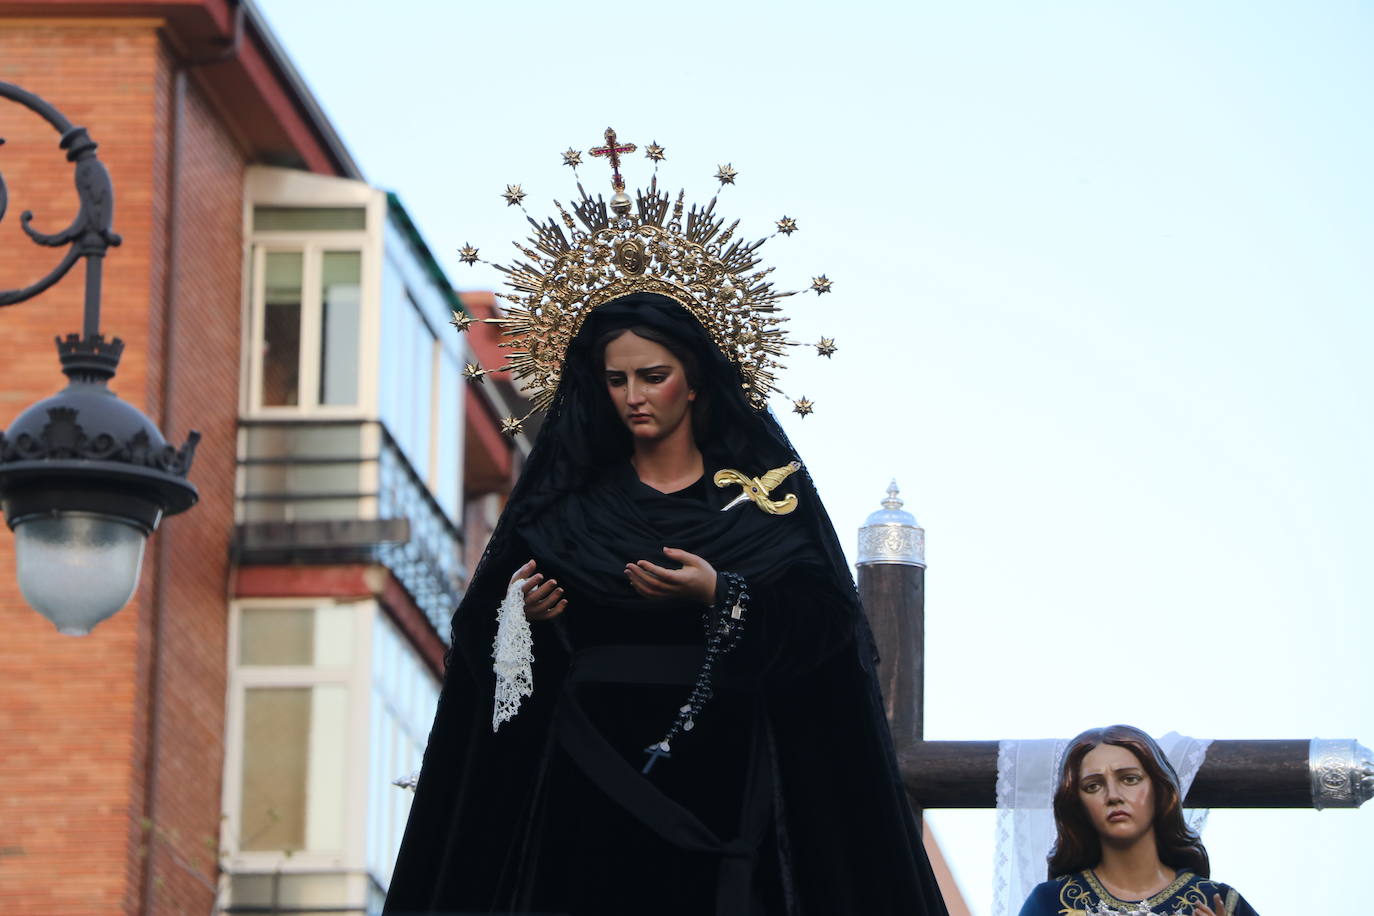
[(312, 249), (276, 187), (356, 677)]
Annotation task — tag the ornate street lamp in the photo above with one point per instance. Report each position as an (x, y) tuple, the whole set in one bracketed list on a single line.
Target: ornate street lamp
[(84, 476)]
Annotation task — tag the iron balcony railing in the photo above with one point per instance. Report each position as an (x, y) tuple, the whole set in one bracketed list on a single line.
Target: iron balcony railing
[(341, 491)]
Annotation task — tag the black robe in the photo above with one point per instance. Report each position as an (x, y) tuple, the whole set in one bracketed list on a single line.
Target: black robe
[(784, 799)]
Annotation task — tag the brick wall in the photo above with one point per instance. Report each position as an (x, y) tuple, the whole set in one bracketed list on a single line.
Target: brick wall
[(197, 346), (78, 716)]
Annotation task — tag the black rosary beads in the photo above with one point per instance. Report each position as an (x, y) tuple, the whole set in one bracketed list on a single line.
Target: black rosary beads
[(723, 623)]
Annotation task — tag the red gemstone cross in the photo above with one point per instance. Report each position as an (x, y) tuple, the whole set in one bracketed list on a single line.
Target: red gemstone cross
[(612, 151)]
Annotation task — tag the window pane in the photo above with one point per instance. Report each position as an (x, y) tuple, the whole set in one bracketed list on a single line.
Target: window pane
[(277, 636), (341, 299), (448, 470), (299, 442), (291, 890), (281, 344), (300, 491), (276, 723), (296, 636), (291, 473), (308, 218), (404, 694), (292, 795), (418, 345)]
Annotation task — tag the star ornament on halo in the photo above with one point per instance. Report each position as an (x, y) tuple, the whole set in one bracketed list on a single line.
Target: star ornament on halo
[(512, 427), (725, 174), (826, 347), (474, 373), (467, 254), (462, 321), (513, 195), (572, 158), (802, 407), (821, 284), (655, 152), (787, 225)]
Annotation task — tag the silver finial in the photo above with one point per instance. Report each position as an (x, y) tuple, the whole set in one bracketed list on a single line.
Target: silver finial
[(892, 501), (891, 535), (1342, 773)]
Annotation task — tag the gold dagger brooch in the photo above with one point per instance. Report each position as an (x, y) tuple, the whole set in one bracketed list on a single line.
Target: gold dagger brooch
[(757, 489)]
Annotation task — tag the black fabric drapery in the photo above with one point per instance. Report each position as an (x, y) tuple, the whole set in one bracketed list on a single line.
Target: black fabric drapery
[(785, 798)]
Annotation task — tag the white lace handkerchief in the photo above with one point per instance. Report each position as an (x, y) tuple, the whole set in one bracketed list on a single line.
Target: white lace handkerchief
[(513, 653)]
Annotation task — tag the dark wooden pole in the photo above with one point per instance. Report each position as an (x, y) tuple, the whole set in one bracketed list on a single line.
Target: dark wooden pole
[(892, 586), (1236, 774), (894, 599)]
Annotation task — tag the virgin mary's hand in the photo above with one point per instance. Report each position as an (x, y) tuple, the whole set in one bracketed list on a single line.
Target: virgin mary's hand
[(695, 581), (543, 599), (1216, 909)]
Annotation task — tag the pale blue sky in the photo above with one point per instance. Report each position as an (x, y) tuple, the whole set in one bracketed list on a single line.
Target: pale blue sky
[(1103, 300)]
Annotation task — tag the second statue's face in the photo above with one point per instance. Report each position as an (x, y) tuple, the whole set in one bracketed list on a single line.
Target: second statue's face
[(648, 387), (1117, 794)]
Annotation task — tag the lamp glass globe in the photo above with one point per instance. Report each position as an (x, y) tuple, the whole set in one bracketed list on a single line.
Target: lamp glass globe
[(76, 569)]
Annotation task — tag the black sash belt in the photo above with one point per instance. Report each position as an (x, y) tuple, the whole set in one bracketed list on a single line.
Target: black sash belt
[(611, 773), (637, 664)]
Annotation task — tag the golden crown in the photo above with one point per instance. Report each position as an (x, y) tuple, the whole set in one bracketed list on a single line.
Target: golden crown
[(631, 246)]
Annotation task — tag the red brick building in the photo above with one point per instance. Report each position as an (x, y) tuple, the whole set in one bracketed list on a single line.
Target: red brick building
[(268, 297)]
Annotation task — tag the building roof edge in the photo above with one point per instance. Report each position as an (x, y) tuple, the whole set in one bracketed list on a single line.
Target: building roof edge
[(309, 105), (431, 264)]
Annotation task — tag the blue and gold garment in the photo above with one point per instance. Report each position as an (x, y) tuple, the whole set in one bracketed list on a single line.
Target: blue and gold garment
[(1076, 895)]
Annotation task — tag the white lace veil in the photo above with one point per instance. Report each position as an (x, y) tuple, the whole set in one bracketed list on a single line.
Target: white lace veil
[(1027, 772)]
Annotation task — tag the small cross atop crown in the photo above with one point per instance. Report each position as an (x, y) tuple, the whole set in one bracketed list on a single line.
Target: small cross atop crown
[(612, 151)]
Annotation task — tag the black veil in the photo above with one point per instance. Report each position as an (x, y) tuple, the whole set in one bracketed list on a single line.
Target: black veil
[(581, 438)]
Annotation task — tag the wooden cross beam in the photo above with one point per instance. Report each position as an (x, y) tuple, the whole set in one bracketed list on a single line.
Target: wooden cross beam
[(1236, 774), (963, 774)]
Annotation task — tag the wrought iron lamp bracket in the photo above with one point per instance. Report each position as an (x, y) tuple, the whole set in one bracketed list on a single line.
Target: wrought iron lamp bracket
[(90, 234)]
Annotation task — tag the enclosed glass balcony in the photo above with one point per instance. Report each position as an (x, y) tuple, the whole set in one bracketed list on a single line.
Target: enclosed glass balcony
[(341, 491)]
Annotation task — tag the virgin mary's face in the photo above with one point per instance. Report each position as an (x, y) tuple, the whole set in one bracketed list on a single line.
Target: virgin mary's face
[(1117, 794), (648, 387)]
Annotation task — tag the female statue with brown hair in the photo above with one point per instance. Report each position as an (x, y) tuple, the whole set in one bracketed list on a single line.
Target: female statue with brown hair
[(1123, 846)]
